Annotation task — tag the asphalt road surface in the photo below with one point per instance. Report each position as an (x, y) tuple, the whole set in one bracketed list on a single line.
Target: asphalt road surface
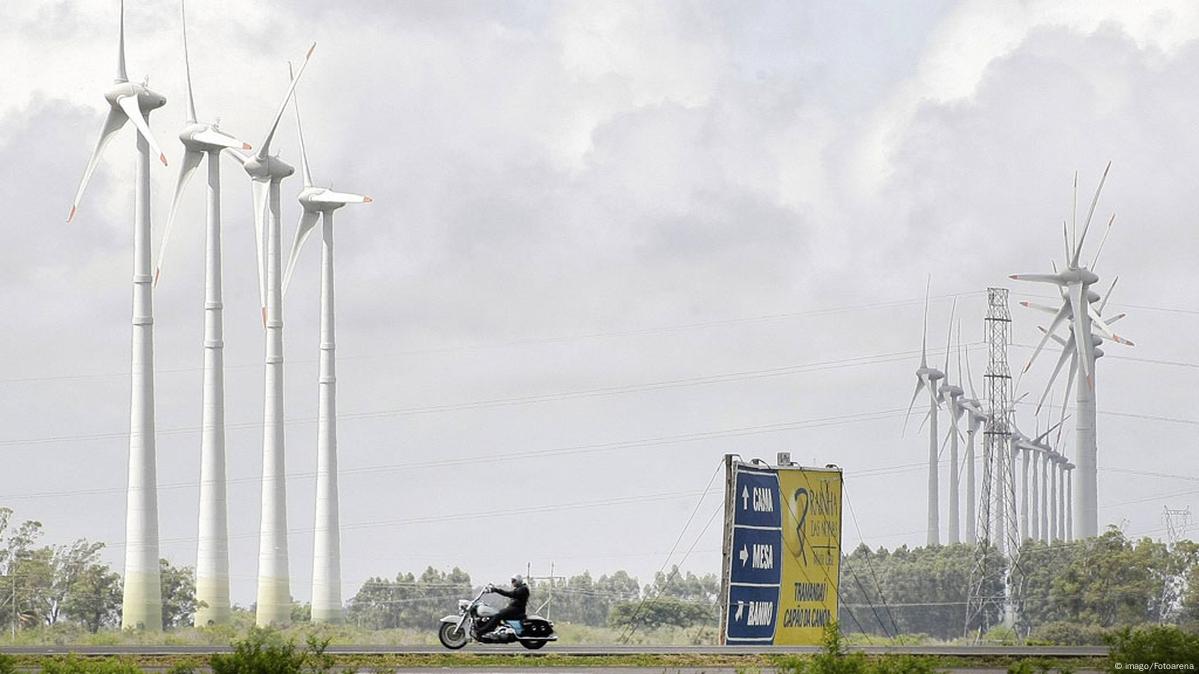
[(589, 650)]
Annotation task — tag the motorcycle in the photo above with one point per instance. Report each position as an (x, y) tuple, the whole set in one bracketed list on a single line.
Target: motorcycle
[(456, 631)]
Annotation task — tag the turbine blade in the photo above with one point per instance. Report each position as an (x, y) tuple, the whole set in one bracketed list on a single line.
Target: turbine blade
[(1065, 400), (1106, 232), (1117, 317), (241, 158), (1039, 307), (264, 149), (307, 223), (295, 104), (1082, 336), (191, 159), (187, 68), (927, 415), (924, 340), (1091, 212), (220, 138), (915, 394), (331, 197), (1061, 342), (1073, 218), (134, 113), (1061, 362), (1041, 437), (113, 123), (1097, 321), (1038, 278), (122, 76), (949, 338), (969, 376), (260, 190), (1066, 241), (959, 352), (1057, 320), (1108, 294)]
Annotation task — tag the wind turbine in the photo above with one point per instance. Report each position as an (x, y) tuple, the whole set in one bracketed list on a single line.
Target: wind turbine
[(132, 102), (951, 395), (1074, 283), (926, 378), (319, 202), (266, 173), (201, 141), (1029, 447)]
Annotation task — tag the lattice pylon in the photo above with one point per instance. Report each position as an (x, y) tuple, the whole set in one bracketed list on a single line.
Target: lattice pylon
[(997, 505)]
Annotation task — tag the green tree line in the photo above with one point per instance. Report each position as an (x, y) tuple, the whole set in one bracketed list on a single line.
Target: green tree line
[(1069, 593), (616, 600), (49, 585)]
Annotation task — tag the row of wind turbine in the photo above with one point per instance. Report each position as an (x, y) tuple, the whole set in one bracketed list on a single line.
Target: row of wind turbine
[(142, 605)]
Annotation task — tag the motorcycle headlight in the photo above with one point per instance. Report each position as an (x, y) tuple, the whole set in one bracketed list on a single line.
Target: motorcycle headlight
[(463, 604)]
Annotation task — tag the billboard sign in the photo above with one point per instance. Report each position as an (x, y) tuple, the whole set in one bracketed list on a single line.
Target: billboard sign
[(782, 553)]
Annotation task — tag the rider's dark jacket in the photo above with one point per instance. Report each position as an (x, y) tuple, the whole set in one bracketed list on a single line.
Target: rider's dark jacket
[(518, 598)]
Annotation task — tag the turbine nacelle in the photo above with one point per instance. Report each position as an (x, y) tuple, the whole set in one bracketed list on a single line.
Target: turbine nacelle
[(147, 99), (266, 168), (1063, 279)]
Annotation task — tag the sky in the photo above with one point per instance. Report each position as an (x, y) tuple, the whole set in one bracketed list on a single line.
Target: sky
[(609, 243)]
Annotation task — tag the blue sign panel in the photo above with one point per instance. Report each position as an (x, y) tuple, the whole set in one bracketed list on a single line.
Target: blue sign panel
[(757, 500), (752, 612), (757, 556)]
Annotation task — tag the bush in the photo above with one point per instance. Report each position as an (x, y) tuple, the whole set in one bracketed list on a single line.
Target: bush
[(266, 652), (7, 665), (1157, 644), (835, 660)]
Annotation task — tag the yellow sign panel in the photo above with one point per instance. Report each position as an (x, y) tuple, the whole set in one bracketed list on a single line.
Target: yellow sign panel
[(811, 555)]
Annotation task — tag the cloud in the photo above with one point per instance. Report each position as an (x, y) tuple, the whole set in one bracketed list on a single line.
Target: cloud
[(557, 188)]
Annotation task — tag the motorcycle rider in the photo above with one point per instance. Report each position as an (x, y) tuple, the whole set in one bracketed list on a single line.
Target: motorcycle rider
[(515, 610)]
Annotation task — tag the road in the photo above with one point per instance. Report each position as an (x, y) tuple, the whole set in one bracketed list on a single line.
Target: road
[(587, 650)]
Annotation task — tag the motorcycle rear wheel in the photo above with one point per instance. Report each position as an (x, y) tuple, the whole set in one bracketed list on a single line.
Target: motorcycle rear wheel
[(452, 636), (532, 645)]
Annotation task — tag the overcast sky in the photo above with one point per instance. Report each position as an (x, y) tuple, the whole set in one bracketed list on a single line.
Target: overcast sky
[(631, 237)]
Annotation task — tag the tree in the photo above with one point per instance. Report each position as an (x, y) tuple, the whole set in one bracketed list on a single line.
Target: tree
[(178, 595), (94, 600), (408, 600), (660, 612)]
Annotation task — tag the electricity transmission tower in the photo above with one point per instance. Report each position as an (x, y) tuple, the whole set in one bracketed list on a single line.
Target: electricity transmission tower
[(997, 505), (1178, 522)]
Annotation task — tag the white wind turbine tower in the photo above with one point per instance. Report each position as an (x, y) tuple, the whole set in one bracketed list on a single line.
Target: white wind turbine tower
[(1030, 448), (266, 172), (952, 395), (319, 202), (1044, 512), (1069, 478), (205, 140), (142, 601), (1074, 283), (926, 378), (976, 420)]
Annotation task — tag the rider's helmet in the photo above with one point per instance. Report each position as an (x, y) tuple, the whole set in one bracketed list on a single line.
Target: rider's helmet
[(518, 580)]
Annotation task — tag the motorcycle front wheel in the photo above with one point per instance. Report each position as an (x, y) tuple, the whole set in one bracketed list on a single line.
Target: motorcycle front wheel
[(452, 636), (532, 645)]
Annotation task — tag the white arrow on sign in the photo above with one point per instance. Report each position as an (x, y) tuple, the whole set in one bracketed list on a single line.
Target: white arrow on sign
[(740, 609), (744, 555), (745, 498)]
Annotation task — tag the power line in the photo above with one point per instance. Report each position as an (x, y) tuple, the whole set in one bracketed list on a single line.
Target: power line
[(801, 368), (633, 332)]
